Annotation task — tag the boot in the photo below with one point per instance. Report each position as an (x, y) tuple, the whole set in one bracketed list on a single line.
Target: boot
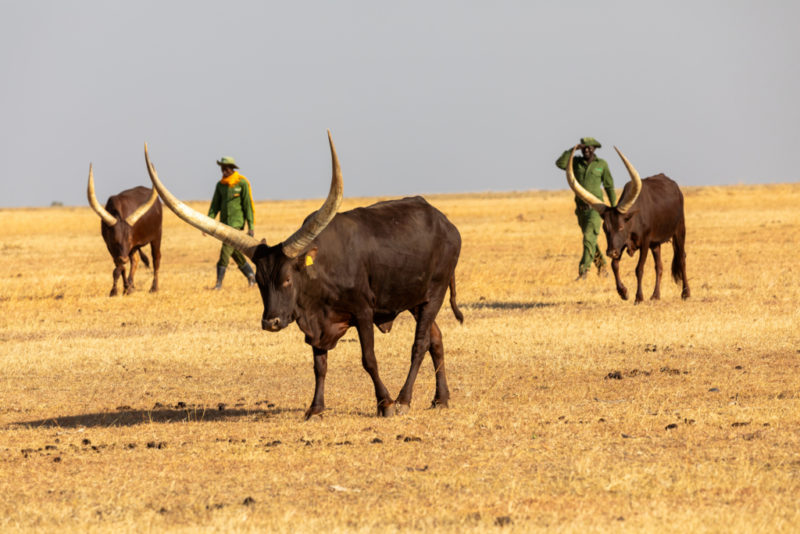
[(220, 276), (248, 272)]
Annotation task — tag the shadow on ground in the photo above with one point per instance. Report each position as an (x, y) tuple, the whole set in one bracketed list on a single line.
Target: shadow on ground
[(496, 305), (158, 415)]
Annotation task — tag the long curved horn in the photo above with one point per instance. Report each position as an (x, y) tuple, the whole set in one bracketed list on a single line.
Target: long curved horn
[(100, 210), (320, 219), (236, 238), (141, 210), (579, 190), (626, 204)]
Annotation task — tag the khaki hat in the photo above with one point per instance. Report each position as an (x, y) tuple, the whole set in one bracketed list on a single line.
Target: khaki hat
[(227, 161), (590, 141)]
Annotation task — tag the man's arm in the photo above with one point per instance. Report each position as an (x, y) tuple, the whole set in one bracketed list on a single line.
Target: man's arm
[(247, 205), (608, 185), (216, 200), (562, 161)]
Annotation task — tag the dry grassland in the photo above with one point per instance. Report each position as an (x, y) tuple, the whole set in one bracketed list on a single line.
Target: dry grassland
[(571, 410)]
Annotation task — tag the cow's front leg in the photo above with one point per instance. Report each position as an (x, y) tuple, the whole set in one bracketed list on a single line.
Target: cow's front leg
[(320, 370), (659, 269), (621, 289), (386, 407), (640, 274), (133, 258), (119, 270)]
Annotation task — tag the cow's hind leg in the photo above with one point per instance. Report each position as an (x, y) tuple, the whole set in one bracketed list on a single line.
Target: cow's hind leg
[(155, 250), (442, 396), (679, 259), (320, 370), (366, 336), (656, 249), (422, 343), (640, 272)]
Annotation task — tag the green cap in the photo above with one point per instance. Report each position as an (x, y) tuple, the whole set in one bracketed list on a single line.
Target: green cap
[(227, 161), (590, 141)]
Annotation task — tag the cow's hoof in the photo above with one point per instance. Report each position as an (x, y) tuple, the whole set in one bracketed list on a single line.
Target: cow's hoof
[(153, 289), (128, 291), (402, 409), (623, 293), (113, 293), (685, 294), (314, 411), (387, 410), (438, 404)]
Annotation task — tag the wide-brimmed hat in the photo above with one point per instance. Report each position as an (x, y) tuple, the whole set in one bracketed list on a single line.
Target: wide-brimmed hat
[(590, 141), (227, 161)]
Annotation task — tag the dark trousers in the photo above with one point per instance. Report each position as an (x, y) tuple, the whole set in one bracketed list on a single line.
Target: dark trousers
[(591, 223)]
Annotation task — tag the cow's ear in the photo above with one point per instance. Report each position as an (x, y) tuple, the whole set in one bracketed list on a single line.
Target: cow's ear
[(311, 257), (309, 265), (630, 213)]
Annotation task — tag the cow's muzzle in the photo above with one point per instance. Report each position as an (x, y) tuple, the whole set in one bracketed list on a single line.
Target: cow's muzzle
[(273, 325)]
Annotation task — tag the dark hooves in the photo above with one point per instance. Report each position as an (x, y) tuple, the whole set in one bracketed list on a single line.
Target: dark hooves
[(314, 411), (387, 410)]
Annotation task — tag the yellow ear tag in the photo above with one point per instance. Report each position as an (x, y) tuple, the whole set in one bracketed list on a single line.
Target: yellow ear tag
[(309, 260)]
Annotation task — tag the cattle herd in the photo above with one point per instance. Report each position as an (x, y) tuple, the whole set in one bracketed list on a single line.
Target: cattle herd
[(365, 266)]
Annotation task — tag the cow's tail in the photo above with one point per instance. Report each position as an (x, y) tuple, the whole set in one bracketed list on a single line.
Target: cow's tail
[(676, 267), (144, 258), (453, 305)]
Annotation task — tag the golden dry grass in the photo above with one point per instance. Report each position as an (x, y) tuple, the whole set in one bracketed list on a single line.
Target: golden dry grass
[(110, 414)]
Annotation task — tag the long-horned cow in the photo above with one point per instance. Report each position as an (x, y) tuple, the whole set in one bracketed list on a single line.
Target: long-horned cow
[(130, 220), (649, 213), (357, 268)]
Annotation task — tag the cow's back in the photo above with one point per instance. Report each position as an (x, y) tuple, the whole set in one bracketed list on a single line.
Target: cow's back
[(123, 204), (400, 251), (659, 206)]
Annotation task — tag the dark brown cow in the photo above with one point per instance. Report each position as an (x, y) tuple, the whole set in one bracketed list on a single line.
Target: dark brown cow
[(357, 268), (130, 220), (649, 213)]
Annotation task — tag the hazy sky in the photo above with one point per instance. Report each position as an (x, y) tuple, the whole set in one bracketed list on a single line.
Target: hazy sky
[(421, 96)]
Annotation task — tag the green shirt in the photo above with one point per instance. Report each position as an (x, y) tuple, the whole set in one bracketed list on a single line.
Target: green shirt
[(233, 202), (594, 177)]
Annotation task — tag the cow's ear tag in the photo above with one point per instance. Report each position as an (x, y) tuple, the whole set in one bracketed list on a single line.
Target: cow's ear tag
[(309, 263)]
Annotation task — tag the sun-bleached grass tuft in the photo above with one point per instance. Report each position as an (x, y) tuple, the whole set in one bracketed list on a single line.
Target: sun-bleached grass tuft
[(571, 410)]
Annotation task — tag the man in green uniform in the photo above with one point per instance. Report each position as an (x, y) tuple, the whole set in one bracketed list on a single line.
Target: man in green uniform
[(593, 174), (234, 203)]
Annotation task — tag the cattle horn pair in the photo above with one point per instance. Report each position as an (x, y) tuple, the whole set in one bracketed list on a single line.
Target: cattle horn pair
[(595, 202), (241, 240), (109, 219)]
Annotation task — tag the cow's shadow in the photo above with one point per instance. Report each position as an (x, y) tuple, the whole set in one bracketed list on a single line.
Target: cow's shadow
[(500, 305), (120, 418)]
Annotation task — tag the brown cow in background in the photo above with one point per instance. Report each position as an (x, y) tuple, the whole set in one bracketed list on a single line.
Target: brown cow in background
[(649, 213), (131, 220)]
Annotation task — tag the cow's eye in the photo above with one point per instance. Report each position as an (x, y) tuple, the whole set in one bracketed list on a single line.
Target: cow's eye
[(287, 282)]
